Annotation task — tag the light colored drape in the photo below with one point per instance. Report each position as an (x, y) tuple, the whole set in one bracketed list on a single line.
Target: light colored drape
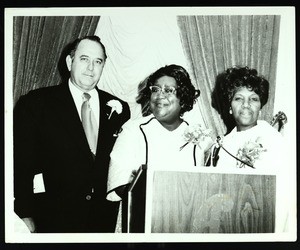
[(38, 43), (136, 47), (214, 43)]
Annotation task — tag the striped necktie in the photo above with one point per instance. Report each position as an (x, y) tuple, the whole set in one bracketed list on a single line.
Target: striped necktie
[(89, 123)]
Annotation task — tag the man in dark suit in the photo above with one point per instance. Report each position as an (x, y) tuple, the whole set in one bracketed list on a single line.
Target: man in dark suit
[(51, 144)]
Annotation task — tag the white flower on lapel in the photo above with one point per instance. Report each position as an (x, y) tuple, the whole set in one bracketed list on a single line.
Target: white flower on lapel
[(115, 106)]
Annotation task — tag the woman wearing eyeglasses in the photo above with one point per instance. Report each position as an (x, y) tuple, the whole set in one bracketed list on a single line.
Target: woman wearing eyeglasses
[(155, 140)]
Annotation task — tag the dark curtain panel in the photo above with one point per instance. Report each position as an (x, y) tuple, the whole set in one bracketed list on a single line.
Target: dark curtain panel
[(214, 43), (38, 45)]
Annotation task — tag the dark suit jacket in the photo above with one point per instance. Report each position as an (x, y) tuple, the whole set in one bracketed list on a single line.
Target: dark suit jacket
[(49, 139)]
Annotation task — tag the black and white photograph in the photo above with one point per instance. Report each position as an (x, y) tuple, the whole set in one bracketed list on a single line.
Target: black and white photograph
[(150, 124)]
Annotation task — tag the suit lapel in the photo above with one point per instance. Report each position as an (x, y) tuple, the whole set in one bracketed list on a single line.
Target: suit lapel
[(104, 109), (68, 113), (71, 120), (104, 112)]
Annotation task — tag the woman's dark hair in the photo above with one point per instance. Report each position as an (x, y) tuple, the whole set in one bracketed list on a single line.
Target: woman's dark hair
[(185, 91), (228, 82)]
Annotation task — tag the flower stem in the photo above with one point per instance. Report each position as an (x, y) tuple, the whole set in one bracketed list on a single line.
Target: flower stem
[(183, 146), (237, 158)]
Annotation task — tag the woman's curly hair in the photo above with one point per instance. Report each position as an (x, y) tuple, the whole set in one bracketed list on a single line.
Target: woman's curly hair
[(228, 82), (186, 92)]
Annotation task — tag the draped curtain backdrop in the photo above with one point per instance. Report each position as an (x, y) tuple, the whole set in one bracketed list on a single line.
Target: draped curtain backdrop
[(38, 44), (210, 45), (136, 46), (214, 43)]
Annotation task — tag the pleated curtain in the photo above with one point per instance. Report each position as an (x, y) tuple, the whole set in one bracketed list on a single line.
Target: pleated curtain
[(210, 44), (38, 44), (213, 43)]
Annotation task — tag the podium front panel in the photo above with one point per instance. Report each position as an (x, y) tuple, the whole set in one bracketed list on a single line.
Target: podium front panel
[(194, 202)]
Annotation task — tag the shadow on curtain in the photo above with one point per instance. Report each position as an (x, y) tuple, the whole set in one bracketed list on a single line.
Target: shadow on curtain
[(215, 43), (38, 49)]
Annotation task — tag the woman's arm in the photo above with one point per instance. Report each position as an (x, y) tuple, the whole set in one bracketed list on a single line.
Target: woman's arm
[(125, 159)]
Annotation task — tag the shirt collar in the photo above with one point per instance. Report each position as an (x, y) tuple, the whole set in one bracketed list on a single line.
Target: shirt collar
[(78, 92)]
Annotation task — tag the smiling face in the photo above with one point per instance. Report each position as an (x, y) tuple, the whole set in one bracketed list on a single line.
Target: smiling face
[(87, 65), (245, 106), (166, 107)]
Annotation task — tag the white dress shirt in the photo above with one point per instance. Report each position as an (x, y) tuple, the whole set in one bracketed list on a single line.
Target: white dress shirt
[(94, 100)]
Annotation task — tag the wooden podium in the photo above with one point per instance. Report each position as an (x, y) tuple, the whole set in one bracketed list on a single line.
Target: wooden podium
[(199, 202)]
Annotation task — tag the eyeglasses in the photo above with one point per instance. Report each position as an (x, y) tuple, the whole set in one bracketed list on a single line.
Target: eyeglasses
[(165, 90)]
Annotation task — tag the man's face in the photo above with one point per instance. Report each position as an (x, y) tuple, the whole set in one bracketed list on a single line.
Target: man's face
[(87, 65)]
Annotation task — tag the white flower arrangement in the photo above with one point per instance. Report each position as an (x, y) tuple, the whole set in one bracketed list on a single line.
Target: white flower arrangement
[(115, 106), (249, 153), (195, 134)]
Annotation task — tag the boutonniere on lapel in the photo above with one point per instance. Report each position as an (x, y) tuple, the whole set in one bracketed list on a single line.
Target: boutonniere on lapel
[(116, 106)]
